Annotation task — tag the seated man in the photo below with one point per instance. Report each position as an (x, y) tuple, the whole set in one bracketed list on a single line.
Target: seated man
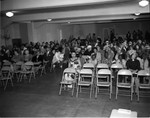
[(37, 57)]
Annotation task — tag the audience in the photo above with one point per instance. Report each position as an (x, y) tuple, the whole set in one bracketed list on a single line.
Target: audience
[(92, 49)]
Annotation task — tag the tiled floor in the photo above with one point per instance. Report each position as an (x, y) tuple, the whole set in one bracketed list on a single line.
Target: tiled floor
[(40, 99)]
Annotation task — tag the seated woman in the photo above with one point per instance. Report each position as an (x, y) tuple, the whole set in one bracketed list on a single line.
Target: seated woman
[(93, 59), (27, 57), (120, 60), (74, 61), (16, 57), (58, 58)]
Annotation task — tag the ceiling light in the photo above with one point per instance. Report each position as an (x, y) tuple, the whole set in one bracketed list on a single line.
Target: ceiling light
[(137, 13), (49, 19), (143, 3), (9, 14)]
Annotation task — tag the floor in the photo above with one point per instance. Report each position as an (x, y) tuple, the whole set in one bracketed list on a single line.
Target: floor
[(40, 99)]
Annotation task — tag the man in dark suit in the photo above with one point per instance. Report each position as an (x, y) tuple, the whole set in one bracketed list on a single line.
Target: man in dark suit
[(37, 57), (48, 56)]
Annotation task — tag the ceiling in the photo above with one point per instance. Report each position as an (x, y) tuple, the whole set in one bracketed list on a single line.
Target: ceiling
[(74, 11)]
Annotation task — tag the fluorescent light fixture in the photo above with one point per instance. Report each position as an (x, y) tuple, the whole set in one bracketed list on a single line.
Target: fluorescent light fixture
[(143, 3), (9, 14), (49, 19), (137, 13)]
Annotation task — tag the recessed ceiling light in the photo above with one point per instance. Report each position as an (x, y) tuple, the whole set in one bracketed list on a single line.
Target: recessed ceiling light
[(143, 3), (49, 19), (9, 14)]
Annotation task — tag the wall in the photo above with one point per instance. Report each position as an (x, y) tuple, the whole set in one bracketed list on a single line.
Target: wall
[(46, 32)]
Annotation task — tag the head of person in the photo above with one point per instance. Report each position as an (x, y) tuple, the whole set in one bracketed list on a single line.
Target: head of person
[(89, 47), (73, 54), (93, 56), (26, 52), (95, 50)]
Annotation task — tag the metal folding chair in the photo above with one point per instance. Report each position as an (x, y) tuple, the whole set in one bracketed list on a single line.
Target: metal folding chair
[(128, 83), (85, 79), (143, 76), (103, 79), (68, 79), (6, 74)]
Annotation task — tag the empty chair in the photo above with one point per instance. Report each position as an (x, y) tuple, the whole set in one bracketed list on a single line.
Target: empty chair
[(103, 79), (124, 80), (68, 80), (88, 66), (143, 77), (85, 79), (6, 74)]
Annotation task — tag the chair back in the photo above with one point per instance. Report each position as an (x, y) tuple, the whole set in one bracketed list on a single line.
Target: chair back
[(125, 76), (102, 66), (124, 72), (17, 65), (143, 73), (116, 66), (6, 71), (104, 76), (28, 66), (86, 75), (69, 74), (145, 76), (7, 63), (88, 66)]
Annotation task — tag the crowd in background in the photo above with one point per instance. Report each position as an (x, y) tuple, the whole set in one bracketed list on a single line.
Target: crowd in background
[(72, 51)]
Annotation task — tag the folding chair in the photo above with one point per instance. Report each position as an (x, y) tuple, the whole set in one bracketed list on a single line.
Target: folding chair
[(37, 66), (43, 67), (114, 69), (103, 79), (145, 77), (68, 79), (6, 75), (85, 79), (27, 69), (7, 63), (127, 75), (17, 69)]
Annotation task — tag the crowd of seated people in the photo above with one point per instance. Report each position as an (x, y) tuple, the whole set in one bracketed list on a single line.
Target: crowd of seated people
[(80, 51)]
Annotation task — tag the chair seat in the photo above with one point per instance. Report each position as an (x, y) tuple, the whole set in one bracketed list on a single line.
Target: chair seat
[(103, 84), (4, 78), (84, 83), (144, 86), (67, 82), (126, 85)]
